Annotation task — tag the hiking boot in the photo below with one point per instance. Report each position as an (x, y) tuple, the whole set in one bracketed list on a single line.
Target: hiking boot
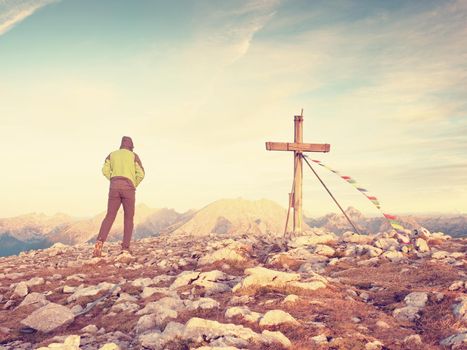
[(97, 253), (126, 250)]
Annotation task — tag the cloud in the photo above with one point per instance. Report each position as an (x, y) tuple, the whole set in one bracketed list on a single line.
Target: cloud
[(222, 35), (387, 90), (229, 28), (13, 12), (418, 65)]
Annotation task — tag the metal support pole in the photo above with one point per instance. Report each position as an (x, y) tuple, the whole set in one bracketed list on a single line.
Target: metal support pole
[(334, 199)]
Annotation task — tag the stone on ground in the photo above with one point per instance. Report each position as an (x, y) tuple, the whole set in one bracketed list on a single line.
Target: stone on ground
[(36, 299), (71, 342), (110, 346), (90, 291), (244, 312), (422, 245), (456, 341), (393, 255), (224, 254), (21, 290), (460, 309), (276, 337), (49, 317), (291, 298), (258, 277), (417, 299), (277, 317), (406, 313), (198, 327)]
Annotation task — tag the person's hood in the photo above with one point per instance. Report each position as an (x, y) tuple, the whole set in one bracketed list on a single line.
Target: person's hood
[(127, 143)]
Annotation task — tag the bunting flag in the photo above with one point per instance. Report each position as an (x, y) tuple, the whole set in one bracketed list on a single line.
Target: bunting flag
[(395, 224)]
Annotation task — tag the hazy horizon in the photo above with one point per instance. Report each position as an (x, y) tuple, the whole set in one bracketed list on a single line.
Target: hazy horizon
[(138, 204), (201, 86)]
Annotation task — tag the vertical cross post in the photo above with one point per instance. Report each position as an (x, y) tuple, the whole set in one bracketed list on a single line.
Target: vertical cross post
[(298, 176), (298, 147)]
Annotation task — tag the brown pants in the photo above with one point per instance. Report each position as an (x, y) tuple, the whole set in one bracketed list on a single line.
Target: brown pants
[(117, 197)]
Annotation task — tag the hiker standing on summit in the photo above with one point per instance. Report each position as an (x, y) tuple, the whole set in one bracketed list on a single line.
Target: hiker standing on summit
[(125, 171)]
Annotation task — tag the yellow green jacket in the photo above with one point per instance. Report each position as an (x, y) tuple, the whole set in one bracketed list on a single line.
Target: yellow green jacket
[(123, 164)]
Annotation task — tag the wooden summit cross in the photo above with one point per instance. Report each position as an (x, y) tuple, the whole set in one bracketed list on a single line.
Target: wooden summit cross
[(298, 147)]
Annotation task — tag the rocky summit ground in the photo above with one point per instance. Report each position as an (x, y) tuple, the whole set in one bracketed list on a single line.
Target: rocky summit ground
[(314, 291)]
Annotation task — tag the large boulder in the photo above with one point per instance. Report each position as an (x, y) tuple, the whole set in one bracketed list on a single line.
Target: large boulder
[(49, 317), (261, 277)]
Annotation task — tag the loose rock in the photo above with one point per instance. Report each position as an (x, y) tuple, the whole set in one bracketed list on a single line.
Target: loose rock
[(277, 317), (49, 317), (21, 290)]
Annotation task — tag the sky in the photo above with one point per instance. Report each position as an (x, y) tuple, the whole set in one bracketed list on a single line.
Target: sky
[(200, 86)]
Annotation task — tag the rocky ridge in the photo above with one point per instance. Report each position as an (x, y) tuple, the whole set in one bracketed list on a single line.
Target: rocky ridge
[(317, 290), (453, 224), (225, 216)]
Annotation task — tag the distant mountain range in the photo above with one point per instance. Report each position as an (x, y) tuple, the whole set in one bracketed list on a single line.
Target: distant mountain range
[(453, 225), (224, 217), (34, 231)]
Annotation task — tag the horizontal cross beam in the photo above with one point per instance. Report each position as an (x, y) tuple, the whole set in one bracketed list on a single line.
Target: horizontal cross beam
[(298, 147)]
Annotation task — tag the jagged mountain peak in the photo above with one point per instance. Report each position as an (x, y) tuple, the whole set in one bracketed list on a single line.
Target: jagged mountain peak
[(235, 215), (353, 212)]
